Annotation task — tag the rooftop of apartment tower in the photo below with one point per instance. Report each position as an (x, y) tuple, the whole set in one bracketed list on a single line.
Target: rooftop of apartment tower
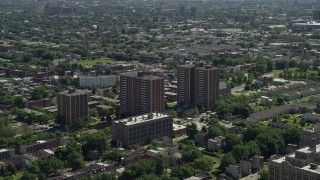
[(141, 118)]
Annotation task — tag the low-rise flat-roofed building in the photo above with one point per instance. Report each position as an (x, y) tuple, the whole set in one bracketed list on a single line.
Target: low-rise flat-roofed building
[(297, 27), (281, 81), (6, 153), (97, 81), (41, 144), (302, 164), (311, 118), (178, 130), (233, 171), (224, 89), (139, 129)]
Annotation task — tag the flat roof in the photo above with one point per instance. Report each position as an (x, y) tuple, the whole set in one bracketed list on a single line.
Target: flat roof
[(37, 113), (105, 98), (187, 65), (76, 92), (280, 160), (141, 118), (4, 150), (307, 168), (151, 77), (305, 150), (104, 106), (178, 126)]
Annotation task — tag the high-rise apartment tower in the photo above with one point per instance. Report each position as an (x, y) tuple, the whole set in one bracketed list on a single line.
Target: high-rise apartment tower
[(141, 94), (72, 104), (198, 85)]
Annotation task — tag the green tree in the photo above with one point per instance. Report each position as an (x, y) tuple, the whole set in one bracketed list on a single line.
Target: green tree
[(292, 135), (269, 66), (108, 71), (104, 176), (40, 93), (111, 95), (46, 119), (240, 152), (302, 123), (317, 110), (204, 129), (303, 110), (264, 174), (94, 90), (232, 140), (19, 102), (252, 132), (31, 118), (81, 122), (137, 169), (95, 141), (20, 113), (161, 163), (75, 161), (149, 177), (114, 155), (227, 160), (204, 164), (173, 113), (253, 149), (191, 130), (34, 169), (190, 154), (47, 167), (215, 131), (29, 176), (182, 171), (93, 113), (50, 166), (70, 155), (269, 143)]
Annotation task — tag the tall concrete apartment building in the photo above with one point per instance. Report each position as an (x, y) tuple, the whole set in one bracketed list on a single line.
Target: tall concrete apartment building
[(72, 104), (198, 85), (186, 84), (141, 94), (138, 129)]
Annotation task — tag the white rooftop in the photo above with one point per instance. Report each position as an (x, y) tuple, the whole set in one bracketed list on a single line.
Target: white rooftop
[(141, 118), (3, 150), (177, 126), (307, 168)]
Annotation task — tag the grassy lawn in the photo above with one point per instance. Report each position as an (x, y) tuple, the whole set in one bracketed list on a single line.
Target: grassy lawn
[(306, 98), (215, 169), (216, 160), (294, 121), (91, 62), (264, 123), (276, 73), (15, 177), (294, 70), (258, 108), (89, 131), (231, 30), (172, 104)]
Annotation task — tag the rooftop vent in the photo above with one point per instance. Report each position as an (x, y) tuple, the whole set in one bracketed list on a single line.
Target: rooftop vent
[(150, 116), (313, 166)]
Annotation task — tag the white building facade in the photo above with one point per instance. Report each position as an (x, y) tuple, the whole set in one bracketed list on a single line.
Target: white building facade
[(97, 81)]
